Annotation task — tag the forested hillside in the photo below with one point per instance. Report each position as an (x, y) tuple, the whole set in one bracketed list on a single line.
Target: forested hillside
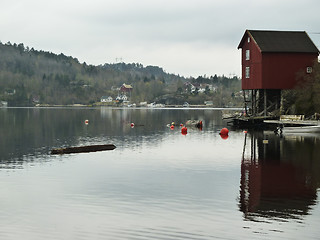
[(29, 77)]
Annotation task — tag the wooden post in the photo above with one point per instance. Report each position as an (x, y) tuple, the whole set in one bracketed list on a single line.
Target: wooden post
[(245, 102), (281, 103), (265, 102), (252, 103)]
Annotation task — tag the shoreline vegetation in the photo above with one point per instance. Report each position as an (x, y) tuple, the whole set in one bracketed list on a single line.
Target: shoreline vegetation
[(29, 77)]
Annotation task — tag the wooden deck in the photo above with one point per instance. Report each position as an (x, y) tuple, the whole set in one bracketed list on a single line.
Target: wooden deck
[(293, 122), (261, 122), (250, 122)]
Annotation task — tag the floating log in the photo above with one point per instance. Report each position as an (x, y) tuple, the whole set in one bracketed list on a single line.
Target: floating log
[(82, 149)]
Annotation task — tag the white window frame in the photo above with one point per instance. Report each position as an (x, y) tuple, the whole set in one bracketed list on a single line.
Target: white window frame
[(248, 39), (247, 72), (309, 69), (247, 54)]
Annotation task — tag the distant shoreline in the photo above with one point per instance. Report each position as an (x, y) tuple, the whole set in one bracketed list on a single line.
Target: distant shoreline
[(79, 106)]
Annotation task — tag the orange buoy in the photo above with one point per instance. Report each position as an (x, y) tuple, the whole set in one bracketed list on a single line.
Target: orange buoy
[(172, 127), (184, 131), (245, 131), (224, 131)]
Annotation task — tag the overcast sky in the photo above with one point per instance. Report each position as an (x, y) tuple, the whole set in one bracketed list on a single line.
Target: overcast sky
[(186, 37)]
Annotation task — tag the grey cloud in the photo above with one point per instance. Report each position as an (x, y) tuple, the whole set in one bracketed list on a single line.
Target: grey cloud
[(152, 32)]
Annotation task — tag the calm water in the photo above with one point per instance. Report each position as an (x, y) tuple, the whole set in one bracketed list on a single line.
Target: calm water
[(157, 183)]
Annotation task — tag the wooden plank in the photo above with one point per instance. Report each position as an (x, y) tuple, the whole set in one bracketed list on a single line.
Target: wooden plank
[(91, 148), (292, 117), (293, 123)]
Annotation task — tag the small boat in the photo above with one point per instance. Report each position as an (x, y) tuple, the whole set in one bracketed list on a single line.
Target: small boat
[(303, 129)]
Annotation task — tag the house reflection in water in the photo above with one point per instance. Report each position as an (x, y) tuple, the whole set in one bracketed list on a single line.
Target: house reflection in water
[(279, 176)]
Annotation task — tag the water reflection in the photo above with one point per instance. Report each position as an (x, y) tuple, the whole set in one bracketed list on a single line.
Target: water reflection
[(157, 184), (279, 176), (30, 133)]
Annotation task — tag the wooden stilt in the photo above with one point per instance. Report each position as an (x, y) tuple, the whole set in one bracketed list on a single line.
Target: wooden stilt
[(265, 102), (252, 103), (245, 102)]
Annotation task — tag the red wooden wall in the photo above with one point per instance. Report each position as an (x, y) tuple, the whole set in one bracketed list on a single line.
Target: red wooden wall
[(255, 64), (280, 70), (273, 70)]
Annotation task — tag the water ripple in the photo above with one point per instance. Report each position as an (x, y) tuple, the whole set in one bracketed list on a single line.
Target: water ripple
[(164, 233)]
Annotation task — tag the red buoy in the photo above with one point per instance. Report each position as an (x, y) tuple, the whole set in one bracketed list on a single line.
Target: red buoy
[(132, 125), (184, 131), (172, 127), (224, 131), (86, 122), (224, 137)]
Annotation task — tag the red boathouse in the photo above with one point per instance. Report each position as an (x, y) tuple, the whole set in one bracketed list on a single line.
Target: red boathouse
[(271, 61)]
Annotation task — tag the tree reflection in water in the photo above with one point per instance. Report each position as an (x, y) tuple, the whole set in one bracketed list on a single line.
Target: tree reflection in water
[(279, 176)]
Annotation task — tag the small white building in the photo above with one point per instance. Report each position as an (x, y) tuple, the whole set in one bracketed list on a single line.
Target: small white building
[(106, 99), (208, 103), (201, 90), (122, 98), (143, 104)]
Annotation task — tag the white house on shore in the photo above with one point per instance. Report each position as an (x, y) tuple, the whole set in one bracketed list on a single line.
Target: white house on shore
[(106, 99), (123, 98)]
